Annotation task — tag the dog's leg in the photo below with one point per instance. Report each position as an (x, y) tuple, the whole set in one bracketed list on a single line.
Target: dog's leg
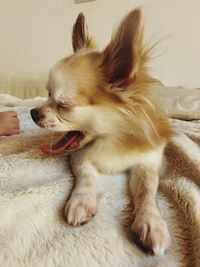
[(148, 224), (82, 205)]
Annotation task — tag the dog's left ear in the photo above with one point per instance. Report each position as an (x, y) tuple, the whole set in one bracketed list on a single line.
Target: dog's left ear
[(80, 36), (119, 58)]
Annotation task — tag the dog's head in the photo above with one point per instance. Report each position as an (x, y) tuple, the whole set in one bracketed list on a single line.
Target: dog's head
[(91, 92)]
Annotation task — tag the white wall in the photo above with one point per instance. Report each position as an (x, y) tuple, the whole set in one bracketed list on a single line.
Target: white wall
[(36, 33)]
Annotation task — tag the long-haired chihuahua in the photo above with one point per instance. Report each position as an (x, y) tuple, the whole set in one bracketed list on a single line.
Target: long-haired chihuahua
[(104, 103)]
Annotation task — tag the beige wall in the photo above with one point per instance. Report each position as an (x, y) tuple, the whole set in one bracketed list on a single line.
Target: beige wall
[(35, 33)]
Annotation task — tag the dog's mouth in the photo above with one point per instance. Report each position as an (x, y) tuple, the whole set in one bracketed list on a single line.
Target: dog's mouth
[(70, 141)]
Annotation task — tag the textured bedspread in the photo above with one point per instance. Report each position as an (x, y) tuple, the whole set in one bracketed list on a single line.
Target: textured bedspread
[(34, 188)]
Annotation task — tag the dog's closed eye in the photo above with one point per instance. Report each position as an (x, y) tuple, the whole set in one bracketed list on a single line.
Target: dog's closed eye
[(63, 106)]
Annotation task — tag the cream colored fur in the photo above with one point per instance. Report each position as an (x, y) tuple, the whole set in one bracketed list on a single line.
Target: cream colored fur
[(124, 131)]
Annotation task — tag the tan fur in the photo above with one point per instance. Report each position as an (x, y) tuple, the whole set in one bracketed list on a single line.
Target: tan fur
[(109, 96)]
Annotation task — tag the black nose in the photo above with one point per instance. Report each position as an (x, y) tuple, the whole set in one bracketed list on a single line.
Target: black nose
[(35, 115)]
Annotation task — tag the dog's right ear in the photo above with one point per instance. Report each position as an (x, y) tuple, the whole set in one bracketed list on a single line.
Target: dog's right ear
[(80, 36)]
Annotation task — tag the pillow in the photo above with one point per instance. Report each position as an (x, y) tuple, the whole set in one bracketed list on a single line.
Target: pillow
[(23, 85), (180, 102)]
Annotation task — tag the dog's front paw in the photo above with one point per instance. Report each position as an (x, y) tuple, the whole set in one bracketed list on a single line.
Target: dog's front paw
[(80, 208), (152, 231)]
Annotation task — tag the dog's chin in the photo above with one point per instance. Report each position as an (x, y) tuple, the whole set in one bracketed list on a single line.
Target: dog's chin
[(71, 140)]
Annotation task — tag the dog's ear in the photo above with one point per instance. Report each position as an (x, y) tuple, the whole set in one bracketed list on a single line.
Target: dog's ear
[(119, 57), (80, 35)]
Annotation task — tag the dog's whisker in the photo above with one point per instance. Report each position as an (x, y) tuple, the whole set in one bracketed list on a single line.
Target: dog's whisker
[(51, 143), (66, 138)]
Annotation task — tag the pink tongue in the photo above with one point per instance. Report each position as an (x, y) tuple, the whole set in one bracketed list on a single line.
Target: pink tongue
[(70, 140)]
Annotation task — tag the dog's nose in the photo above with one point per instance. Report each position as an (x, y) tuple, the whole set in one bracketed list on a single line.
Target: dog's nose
[(35, 115)]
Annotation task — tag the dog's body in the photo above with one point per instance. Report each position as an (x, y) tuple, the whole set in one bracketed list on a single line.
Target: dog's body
[(104, 101)]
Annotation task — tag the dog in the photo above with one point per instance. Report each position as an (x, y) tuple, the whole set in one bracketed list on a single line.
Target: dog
[(104, 103)]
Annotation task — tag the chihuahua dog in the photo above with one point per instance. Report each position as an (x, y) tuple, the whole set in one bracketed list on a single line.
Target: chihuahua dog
[(104, 103)]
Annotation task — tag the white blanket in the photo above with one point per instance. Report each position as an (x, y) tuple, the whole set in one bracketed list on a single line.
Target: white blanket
[(34, 188)]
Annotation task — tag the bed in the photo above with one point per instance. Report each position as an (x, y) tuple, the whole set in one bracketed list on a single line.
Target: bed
[(34, 188)]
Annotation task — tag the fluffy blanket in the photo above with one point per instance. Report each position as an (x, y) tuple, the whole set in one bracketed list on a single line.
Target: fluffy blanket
[(34, 188)]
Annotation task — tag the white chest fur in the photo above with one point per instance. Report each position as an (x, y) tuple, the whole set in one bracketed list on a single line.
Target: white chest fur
[(108, 160)]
